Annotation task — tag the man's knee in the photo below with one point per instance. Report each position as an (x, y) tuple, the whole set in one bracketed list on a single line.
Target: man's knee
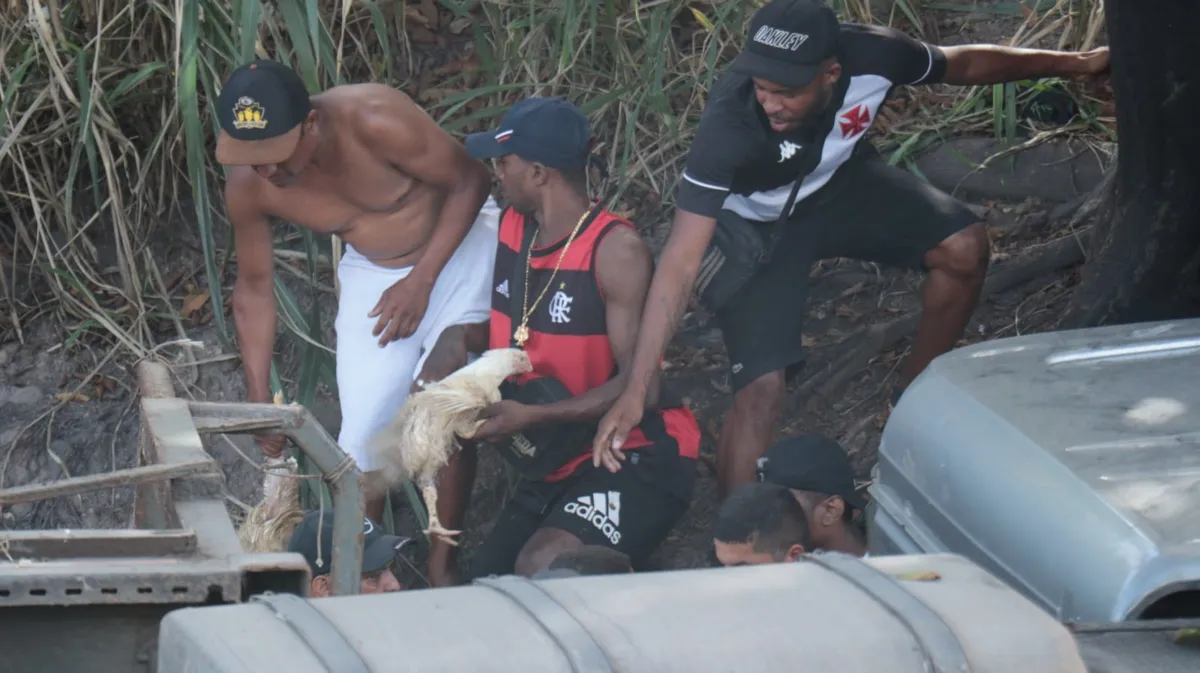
[(542, 548), (964, 254), (762, 396), (447, 355)]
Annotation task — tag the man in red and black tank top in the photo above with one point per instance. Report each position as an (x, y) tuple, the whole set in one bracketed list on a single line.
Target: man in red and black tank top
[(586, 273)]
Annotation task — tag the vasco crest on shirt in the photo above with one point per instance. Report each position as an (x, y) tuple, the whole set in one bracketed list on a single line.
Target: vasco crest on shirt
[(248, 114)]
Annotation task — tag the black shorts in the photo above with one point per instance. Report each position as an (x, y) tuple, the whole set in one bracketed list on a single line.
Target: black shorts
[(631, 511), (868, 211)]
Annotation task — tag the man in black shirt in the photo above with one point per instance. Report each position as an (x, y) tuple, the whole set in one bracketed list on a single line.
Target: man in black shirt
[(793, 111)]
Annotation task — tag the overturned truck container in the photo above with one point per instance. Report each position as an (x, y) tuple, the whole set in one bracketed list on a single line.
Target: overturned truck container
[(829, 612)]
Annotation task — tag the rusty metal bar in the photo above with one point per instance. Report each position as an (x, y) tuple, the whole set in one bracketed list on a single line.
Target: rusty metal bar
[(120, 543), (345, 479), (153, 504), (96, 482)]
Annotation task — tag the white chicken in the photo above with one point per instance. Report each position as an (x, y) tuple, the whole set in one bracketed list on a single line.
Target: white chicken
[(424, 434), (269, 524)]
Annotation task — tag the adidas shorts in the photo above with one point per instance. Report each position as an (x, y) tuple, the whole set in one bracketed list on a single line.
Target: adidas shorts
[(630, 511)]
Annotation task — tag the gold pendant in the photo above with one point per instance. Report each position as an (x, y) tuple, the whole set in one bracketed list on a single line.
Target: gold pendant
[(521, 335)]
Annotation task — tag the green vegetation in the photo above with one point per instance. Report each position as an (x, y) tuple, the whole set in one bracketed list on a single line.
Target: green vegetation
[(107, 126)]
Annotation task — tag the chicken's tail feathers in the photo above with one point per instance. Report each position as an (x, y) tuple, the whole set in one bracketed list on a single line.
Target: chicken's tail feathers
[(383, 448)]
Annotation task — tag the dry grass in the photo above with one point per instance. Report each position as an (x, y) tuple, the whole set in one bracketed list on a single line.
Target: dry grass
[(106, 127)]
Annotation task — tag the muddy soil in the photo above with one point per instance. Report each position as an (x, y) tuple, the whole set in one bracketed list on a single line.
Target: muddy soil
[(47, 432)]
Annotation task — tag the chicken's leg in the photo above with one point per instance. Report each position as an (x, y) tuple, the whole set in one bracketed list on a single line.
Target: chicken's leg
[(435, 526)]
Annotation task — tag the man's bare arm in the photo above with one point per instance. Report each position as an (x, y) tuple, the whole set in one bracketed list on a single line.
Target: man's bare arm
[(668, 297), (254, 290), (984, 64), (402, 134), (624, 267)]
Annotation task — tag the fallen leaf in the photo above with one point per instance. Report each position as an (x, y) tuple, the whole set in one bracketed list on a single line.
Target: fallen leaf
[(193, 303), (72, 397), (460, 24), (1187, 636), (429, 9), (807, 341), (847, 312), (415, 14), (919, 576)]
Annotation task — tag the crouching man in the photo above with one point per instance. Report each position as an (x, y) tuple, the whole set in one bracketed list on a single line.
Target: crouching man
[(817, 471), (313, 539), (569, 286), (760, 523), (364, 162)]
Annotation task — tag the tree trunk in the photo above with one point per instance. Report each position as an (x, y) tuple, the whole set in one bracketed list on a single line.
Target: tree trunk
[(1144, 260)]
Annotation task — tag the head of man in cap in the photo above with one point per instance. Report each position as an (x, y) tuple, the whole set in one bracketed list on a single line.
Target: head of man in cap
[(792, 55), (313, 539), (817, 471)]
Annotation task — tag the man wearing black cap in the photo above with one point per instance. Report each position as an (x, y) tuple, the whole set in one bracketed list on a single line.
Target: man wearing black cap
[(363, 162), (313, 539), (570, 279), (786, 126), (818, 472)]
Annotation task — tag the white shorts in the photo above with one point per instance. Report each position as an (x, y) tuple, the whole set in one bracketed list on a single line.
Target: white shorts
[(373, 382)]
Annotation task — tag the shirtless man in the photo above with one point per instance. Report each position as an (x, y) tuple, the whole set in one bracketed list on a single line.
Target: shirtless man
[(364, 162)]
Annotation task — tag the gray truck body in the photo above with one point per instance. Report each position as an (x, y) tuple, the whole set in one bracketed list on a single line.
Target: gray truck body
[(831, 612), (1065, 463)]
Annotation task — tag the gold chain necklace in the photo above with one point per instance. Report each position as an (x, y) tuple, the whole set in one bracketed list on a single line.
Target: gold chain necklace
[(521, 335)]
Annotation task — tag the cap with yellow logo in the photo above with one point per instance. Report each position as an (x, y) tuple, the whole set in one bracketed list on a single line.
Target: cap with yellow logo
[(260, 110)]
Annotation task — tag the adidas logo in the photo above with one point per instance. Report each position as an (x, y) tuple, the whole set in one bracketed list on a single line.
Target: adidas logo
[(502, 288), (603, 510)]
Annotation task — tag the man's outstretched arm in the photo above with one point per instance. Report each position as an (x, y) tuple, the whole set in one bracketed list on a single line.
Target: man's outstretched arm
[(254, 290), (665, 305), (984, 64)]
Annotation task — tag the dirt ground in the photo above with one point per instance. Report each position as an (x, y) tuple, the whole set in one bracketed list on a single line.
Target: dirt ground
[(46, 433)]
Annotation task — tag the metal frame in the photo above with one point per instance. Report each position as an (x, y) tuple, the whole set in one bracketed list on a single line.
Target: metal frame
[(182, 548)]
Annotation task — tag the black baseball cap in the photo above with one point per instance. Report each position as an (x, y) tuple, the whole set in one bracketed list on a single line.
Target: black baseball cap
[(549, 131), (378, 549), (787, 42), (260, 110), (811, 463)]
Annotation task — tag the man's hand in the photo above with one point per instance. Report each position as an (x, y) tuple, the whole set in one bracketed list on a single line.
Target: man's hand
[(503, 420), (616, 425), (400, 309), (271, 445), (1094, 64)]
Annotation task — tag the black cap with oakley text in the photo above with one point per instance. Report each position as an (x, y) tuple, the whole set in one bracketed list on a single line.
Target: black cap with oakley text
[(260, 109), (788, 41), (549, 131), (313, 539), (812, 463)]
